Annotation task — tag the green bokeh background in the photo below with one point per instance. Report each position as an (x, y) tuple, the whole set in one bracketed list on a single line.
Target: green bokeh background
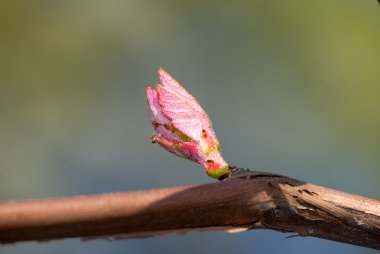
[(292, 87)]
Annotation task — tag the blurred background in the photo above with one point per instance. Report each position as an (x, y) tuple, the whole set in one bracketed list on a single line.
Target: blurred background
[(292, 87)]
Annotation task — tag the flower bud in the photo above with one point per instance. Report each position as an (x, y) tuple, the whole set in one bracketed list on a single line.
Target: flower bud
[(182, 127)]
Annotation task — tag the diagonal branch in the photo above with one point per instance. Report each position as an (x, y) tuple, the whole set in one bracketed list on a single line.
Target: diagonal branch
[(247, 200)]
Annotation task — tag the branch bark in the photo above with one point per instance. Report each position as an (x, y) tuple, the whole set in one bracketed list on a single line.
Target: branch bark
[(247, 200)]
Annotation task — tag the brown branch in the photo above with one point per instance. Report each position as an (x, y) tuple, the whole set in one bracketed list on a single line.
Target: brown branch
[(248, 200)]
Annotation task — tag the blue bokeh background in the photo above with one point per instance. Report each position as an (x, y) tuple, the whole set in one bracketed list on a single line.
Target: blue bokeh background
[(292, 87)]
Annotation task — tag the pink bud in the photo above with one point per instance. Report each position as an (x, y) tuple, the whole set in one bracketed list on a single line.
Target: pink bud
[(182, 127)]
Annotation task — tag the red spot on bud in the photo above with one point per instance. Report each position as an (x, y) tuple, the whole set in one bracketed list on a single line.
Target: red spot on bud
[(155, 124), (210, 163), (167, 127)]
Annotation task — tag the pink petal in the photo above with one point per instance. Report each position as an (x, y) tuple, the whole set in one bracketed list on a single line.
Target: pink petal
[(182, 108), (193, 153), (184, 118), (163, 132), (154, 107), (170, 83), (169, 146)]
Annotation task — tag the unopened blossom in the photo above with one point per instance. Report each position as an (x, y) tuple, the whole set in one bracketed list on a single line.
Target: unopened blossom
[(182, 127)]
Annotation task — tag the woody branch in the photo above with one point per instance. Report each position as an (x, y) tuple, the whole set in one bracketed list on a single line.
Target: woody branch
[(248, 200)]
